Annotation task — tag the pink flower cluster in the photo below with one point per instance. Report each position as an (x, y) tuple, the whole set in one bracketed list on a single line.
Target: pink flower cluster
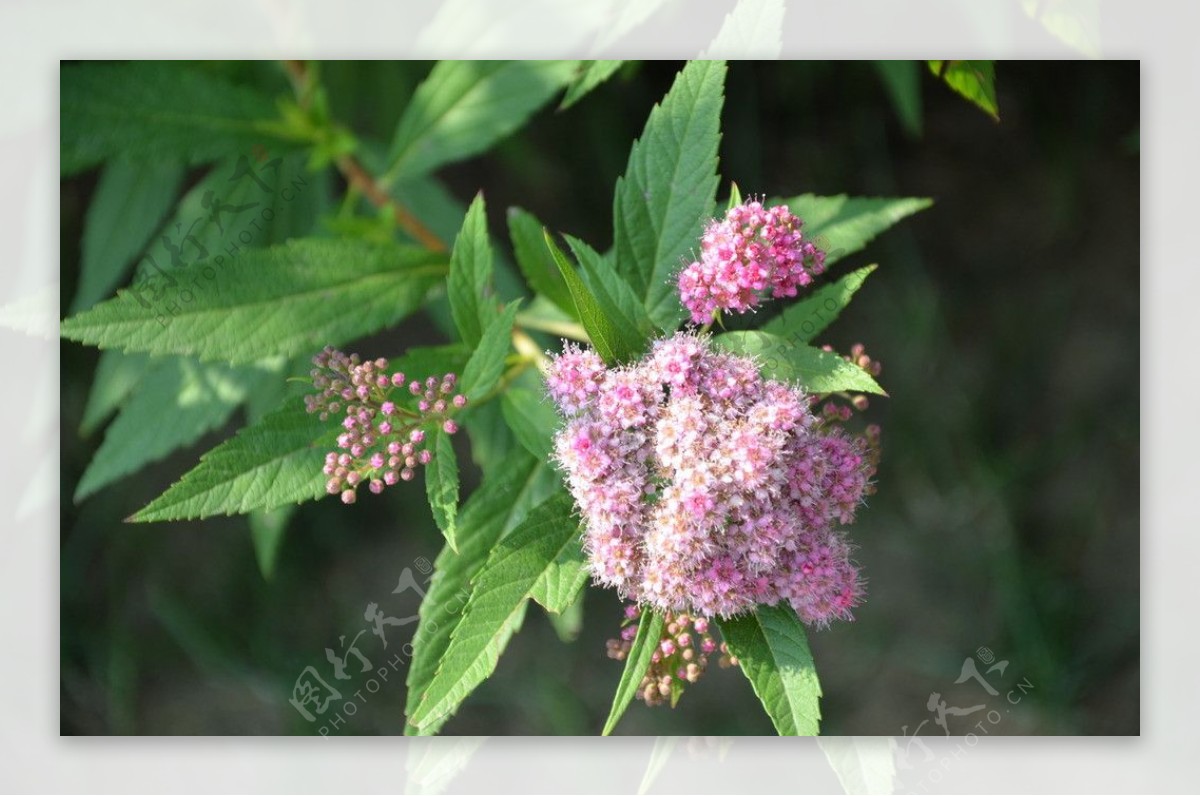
[(753, 250), (681, 655), (705, 489), (383, 442)]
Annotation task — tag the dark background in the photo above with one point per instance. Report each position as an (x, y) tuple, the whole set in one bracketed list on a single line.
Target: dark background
[(1005, 316)]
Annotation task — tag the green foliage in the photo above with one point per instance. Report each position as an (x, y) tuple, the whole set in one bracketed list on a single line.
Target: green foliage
[(131, 200), (591, 75), (159, 111), (804, 320), (669, 189), (772, 651), (816, 370), (464, 107), (470, 281), (116, 376), (483, 369), (532, 419), (441, 485), (975, 80), (512, 572), (563, 580), (287, 300), (650, 627), (845, 224), (902, 79), (267, 529), (535, 261)]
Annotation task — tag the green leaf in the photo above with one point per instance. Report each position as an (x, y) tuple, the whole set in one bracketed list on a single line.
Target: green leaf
[(130, 202), (470, 283), (156, 111), (464, 107), (735, 197), (484, 368), (669, 189), (650, 627), (284, 300), (173, 405), (441, 486), (532, 419), (752, 30), (772, 651), (501, 588), (116, 376), (569, 623), (612, 342), (902, 79), (267, 529), (844, 225), (614, 295), (590, 76), (268, 464), (535, 262), (816, 370), (804, 320), (975, 80), (560, 585)]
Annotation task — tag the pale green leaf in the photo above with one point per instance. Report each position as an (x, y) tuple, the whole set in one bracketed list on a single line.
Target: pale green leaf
[(816, 370), (501, 588), (267, 529), (284, 300), (569, 623), (441, 486), (591, 75), (804, 320), (484, 368), (560, 585), (669, 188), (131, 200), (464, 107), (752, 30), (772, 652), (975, 80), (156, 111), (843, 224), (469, 286), (650, 627)]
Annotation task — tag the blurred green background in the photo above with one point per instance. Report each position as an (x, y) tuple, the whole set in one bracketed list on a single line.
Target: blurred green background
[(1006, 318)]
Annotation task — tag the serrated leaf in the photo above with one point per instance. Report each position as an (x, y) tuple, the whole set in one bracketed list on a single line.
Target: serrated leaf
[(735, 197), (590, 76), (845, 224), (560, 585), (532, 420), (535, 262), (614, 295), (441, 486), (975, 80), (772, 651), (173, 405), (130, 202), (650, 627), (267, 529), (863, 764), (470, 283), (902, 80), (501, 588), (669, 189), (157, 110), (484, 368), (463, 107), (268, 464), (116, 376), (804, 320), (816, 370), (752, 30), (284, 300), (612, 342)]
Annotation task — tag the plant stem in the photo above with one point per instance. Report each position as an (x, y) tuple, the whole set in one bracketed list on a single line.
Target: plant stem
[(571, 331)]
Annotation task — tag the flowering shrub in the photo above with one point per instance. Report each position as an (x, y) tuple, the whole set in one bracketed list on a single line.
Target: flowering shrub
[(624, 437)]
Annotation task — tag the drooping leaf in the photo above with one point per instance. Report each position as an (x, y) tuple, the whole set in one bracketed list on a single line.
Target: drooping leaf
[(441, 486), (772, 651), (535, 261), (463, 107), (532, 419), (616, 298), (157, 111), (470, 283), (562, 581), (650, 627), (116, 376), (669, 188), (816, 370), (975, 80), (844, 224), (284, 300), (804, 320), (267, 529), (613, 342), (131, 200), (501, 588), (175, 403), (902, 79), (591, 75), (484, 368)]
